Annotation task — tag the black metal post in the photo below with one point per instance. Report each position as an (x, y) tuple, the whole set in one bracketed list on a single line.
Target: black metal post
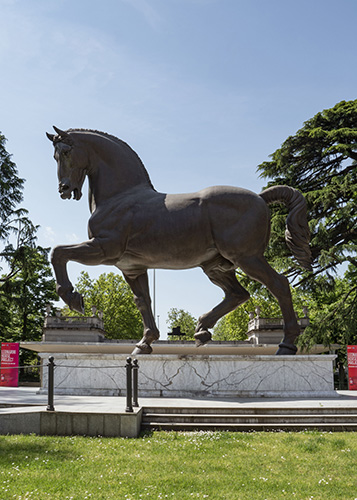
[(135, 383), (50, 392), (129, 385), (341, 376)]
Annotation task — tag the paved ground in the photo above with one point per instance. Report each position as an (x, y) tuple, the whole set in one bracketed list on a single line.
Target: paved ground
[(23, 397)]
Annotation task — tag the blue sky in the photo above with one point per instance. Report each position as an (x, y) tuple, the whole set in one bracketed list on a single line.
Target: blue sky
[(203, 90)]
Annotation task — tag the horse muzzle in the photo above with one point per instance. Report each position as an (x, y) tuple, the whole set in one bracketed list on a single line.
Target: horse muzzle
[(66, 192)]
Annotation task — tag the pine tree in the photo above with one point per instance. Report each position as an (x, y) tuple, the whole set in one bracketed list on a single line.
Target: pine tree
[(321, 161)]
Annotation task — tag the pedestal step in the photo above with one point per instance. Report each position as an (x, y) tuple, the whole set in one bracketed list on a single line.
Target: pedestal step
[(250, 419)]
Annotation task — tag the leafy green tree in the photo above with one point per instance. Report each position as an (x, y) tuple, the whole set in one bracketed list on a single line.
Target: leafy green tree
[(13, 252), (13, 220), (24, 297), (333, 311), (26, 285), (321, 161), (11, 187), (112, 295), (23, 300), (183, 319)]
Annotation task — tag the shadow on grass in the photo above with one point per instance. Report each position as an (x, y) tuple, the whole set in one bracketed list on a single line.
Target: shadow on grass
[(31, 446)]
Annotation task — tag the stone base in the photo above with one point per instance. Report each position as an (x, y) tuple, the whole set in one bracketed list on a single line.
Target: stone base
[(170, 375), (70, 329), (267, 337), (73, 336), (67, 423)]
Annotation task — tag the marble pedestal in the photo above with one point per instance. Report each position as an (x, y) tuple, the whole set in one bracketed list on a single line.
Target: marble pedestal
[(173, 375)]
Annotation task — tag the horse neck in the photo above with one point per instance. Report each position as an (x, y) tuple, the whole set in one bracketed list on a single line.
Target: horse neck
[(114, 168)]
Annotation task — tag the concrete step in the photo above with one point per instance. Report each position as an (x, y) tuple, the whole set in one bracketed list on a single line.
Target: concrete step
[(258, 410), (247, 427), (251, 419)]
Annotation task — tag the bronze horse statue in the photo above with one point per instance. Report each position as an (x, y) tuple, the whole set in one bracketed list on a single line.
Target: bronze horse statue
[(136, 228)]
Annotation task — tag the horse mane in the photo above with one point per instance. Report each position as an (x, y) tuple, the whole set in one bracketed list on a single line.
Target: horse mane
[(119, 141)]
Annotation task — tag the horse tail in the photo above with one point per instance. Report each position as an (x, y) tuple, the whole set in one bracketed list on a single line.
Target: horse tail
[(297, 233)]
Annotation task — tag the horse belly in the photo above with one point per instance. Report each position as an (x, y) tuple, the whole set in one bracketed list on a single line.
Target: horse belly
[(134, 261), (170, 240)]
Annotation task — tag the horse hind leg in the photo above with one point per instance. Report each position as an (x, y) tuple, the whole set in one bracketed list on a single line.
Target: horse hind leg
[(235, 295), (257, 268)]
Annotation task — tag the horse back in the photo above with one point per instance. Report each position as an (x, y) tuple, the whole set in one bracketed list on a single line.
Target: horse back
[(178, 230)]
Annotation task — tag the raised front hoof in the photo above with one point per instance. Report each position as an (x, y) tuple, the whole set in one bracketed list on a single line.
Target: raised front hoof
[(202, 337), (142, 349), (286, 350), (76, 302)]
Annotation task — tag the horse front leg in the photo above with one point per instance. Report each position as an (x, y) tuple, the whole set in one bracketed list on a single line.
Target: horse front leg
[(140, 287), (87, 253)]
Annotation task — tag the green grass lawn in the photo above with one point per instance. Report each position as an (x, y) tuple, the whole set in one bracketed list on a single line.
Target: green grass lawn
[(214, 465)]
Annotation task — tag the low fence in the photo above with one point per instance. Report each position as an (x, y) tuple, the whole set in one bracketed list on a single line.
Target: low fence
[(131, 369)]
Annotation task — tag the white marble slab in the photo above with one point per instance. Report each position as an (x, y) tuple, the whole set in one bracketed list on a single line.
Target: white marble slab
[(170, 375)]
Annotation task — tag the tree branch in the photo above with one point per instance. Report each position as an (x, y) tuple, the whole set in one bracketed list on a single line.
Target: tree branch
[(352, 155)]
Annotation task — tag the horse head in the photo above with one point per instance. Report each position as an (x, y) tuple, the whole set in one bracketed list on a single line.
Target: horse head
[(71, 164)]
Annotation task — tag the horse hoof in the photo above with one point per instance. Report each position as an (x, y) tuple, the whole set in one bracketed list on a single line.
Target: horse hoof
[(77, 303), (142, 349), (286, 350), (150, 336), (202, 337)]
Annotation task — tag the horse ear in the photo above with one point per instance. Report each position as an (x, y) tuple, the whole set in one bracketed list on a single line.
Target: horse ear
[(60, 132), (50, 136)]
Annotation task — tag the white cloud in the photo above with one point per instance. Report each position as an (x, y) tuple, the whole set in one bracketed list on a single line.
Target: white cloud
[(48, 234), (146, 9), (72, 238)]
